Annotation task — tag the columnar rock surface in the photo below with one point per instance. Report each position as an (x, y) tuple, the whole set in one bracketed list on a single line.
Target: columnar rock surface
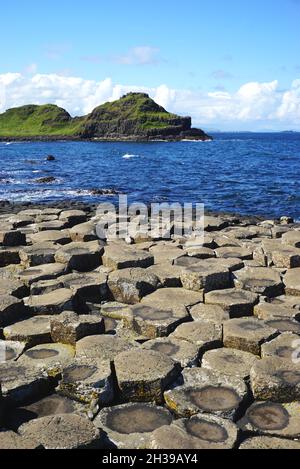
[(130, 332)]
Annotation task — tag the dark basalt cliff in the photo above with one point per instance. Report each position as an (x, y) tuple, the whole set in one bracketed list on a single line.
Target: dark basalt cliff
[(133, 117)]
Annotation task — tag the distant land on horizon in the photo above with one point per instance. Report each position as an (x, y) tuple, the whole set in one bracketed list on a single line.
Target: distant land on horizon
[(134, 117)]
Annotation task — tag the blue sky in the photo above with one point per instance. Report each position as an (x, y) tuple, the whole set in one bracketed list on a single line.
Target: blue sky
[(200, 51)]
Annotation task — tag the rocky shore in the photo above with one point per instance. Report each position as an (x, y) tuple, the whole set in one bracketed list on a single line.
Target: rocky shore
[(148, 343)]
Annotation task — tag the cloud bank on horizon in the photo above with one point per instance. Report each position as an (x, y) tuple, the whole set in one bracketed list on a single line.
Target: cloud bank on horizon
[(254, 106)]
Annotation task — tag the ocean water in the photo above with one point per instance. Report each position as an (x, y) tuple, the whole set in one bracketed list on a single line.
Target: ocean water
[(246, 173)]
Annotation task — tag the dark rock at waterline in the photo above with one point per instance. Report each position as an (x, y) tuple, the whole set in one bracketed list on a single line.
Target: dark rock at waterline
[(104, 192), (50, 158), (45, 180)]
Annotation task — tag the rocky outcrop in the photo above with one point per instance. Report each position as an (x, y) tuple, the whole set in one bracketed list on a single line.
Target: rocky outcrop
[(134, 117)]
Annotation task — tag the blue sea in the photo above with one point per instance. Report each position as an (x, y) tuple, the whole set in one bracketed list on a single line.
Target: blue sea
[(245, 173)]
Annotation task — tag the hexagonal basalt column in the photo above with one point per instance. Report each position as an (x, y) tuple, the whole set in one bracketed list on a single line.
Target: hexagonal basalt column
[(247, 334), (144, 376), (131, 426), (276, 379), (237, 302)]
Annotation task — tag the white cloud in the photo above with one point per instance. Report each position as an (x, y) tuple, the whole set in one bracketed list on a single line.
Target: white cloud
[(141, 55), (253, 106)]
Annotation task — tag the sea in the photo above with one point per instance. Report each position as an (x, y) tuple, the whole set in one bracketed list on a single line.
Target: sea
[(243, 173)]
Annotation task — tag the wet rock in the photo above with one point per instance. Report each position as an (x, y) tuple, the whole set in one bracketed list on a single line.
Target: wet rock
[(90, 287), (9, 256), (237, 302), (152, 322), (275, 379), (51, 236), (284, 346), (208, 392), (32, 331), (21, 383), (168, 275), (104, 347), (51, 303), (205, 276), (292, 282), (10, 351), (82, 257), (131, 426), (201, 431), (291, 238), (235, 252), (89, 382), (49, 358), (69, 327), (206, 335), (120, 257), (12, 441), (213, 313), (45, 180), (38, 254), (42, 272), (260, 280), (131, 285), (11, 310), (64, 431), (247, 334), (12, 238), (270, 418), (231, 362), (144, 376), (267, 443), (177, 299), (182, 351)]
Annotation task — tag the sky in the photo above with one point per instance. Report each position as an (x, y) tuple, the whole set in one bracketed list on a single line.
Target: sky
[(231, 65)]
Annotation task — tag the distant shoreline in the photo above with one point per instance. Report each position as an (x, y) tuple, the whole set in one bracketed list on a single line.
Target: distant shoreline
[(133, 139)]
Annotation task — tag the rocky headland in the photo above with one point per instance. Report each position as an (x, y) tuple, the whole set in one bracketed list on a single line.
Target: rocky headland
[(148, 343), (134, 117)]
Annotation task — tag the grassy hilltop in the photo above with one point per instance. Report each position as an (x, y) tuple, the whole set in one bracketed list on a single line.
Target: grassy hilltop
[(134, 116)]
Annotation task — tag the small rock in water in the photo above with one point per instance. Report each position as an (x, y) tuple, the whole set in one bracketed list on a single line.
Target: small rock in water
[(45, 180), (50, 158)]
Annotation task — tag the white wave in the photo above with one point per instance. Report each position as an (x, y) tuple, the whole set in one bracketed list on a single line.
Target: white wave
[(189, 140), (128, 156)]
